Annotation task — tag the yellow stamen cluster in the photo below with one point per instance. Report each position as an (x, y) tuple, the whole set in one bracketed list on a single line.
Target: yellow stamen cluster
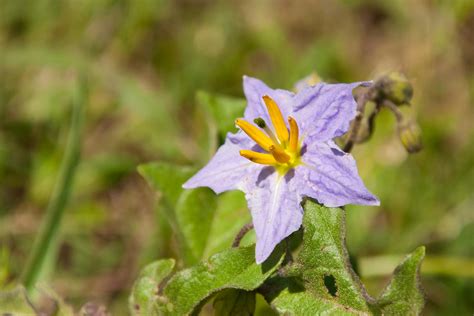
[(282, 150)]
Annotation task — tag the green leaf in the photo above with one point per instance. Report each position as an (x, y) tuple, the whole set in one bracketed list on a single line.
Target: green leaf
[(233, 268), (190, 212), (233, 302), (46, 245), (403, 295), (324, 259), (142, 301), (15, 302), (168, 180), (322, 279), (194, 213)]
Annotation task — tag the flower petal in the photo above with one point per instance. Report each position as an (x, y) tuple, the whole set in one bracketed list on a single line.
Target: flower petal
[(275, 206), (254, 90), (331, 176), (227, 169), (326, 110)]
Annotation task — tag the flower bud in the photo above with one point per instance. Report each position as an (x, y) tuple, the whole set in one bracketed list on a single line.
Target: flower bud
[(410, 136), (396, 88)]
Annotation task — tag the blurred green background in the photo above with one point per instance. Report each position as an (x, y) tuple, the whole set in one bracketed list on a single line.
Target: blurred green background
[(145, 60)]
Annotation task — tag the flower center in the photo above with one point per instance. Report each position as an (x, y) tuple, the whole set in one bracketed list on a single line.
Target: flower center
[(283, 149)]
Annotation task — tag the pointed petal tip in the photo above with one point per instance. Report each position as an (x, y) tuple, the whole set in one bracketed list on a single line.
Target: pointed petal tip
[(246, 77), (248, 80), (260, 258), (192, 183), (374, 201), (261, 253), (188, 185), (370, 200)]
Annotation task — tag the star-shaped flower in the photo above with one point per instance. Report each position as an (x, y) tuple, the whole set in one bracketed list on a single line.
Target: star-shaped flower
[(276, 162)]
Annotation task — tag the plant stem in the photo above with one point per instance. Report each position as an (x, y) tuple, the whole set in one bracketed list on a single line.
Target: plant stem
[(392, 107), (244, 230), (43, 245), (354, 131)]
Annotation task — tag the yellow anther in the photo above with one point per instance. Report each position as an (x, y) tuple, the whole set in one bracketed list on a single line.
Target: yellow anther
[(264, 159), (279, 154), (253, 132), (277, 119), (294, 134)]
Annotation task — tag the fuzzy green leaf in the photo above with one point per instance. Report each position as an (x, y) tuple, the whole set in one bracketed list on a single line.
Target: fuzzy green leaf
[(403, 295), (324, 259), (322, 279), (232, 268), (233, 302), (142, 300)]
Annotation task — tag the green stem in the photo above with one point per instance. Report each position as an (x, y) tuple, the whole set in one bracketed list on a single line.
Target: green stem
[(44, 244)]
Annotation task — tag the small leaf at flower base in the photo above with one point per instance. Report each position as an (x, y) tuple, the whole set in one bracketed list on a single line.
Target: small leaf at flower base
[(143, 300), (403, 295), (233, 302), (233, 268), (15, 302)]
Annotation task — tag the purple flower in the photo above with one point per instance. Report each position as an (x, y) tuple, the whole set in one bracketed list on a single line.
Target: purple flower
[(276, 162)]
